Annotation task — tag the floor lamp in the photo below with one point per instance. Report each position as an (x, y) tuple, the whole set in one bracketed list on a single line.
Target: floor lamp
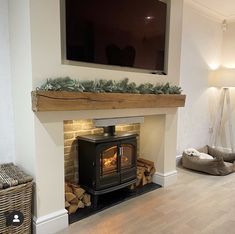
[(224, 78)]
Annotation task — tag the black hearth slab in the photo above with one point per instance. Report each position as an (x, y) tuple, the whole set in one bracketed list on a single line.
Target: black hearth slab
[(111, 199)]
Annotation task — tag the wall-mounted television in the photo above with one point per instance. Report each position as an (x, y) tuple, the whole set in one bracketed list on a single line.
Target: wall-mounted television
[(126, 33)]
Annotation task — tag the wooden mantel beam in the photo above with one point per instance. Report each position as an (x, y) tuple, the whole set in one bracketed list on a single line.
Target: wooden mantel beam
[(74, 101)]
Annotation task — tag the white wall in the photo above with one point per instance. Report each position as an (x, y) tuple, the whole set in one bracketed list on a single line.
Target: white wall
[(201, 51), (6, 112)]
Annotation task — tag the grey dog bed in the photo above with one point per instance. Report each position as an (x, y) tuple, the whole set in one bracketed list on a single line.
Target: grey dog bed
[(221, 164)]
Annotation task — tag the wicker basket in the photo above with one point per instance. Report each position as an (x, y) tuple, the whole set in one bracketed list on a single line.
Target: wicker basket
[(16, 198)]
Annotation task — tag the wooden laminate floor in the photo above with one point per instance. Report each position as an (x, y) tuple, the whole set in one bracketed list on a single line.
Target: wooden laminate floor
[(197, 203)]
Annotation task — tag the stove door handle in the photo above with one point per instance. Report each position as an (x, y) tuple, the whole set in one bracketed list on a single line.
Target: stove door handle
[(119, 151)]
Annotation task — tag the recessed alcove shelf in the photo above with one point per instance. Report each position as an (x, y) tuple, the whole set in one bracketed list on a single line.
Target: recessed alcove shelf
[(74, 101)]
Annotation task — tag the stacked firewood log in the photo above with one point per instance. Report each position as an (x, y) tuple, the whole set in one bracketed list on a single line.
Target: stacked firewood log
[(145, 172), (75, 198)]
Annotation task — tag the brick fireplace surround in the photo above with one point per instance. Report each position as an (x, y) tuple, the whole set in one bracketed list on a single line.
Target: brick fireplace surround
[(36, 39)]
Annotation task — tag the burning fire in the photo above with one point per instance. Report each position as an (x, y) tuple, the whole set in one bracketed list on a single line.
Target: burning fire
[(109, 162), (112, 161)]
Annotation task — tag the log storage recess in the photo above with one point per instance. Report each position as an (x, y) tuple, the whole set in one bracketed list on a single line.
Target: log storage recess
[(75, 198), (145, 172)]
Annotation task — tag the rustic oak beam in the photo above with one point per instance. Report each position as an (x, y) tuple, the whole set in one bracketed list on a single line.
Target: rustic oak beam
[(73, 101)]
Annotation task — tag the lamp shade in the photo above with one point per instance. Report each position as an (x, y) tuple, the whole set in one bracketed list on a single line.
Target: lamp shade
[(222, 77)]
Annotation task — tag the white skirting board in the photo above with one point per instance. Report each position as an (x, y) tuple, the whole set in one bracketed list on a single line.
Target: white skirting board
[(51, 223), (165, 179)]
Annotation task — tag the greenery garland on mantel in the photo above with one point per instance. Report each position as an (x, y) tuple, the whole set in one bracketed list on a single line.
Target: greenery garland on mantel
[(107, 86)]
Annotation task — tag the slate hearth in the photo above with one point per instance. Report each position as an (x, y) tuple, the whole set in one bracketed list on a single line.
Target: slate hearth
[(111, 199)]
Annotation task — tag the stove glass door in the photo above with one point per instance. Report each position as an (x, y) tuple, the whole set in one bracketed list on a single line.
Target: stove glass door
[(127, 156), (109, 161)]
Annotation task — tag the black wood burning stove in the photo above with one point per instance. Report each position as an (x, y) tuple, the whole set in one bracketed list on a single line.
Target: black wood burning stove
[(106, 162)]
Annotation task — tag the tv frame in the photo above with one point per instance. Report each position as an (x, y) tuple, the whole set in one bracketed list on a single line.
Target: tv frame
[(65, 61)]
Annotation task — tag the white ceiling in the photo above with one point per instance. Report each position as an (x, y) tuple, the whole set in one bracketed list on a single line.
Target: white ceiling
[(223, 9)]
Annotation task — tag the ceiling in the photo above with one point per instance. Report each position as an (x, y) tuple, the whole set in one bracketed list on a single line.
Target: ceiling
[(223, 9)]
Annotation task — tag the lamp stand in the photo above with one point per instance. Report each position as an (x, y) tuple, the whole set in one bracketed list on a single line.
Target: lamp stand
[(218, 120)]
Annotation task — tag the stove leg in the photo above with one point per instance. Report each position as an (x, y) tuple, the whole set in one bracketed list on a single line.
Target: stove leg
[(95, 201)]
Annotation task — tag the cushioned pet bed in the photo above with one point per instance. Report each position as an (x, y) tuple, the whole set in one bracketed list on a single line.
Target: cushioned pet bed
[(221, 164)]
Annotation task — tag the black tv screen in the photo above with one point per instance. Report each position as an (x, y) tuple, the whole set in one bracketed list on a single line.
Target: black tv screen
[(128, 33)]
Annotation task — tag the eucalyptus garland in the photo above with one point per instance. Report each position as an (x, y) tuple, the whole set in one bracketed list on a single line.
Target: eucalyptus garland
[(107, 86)]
